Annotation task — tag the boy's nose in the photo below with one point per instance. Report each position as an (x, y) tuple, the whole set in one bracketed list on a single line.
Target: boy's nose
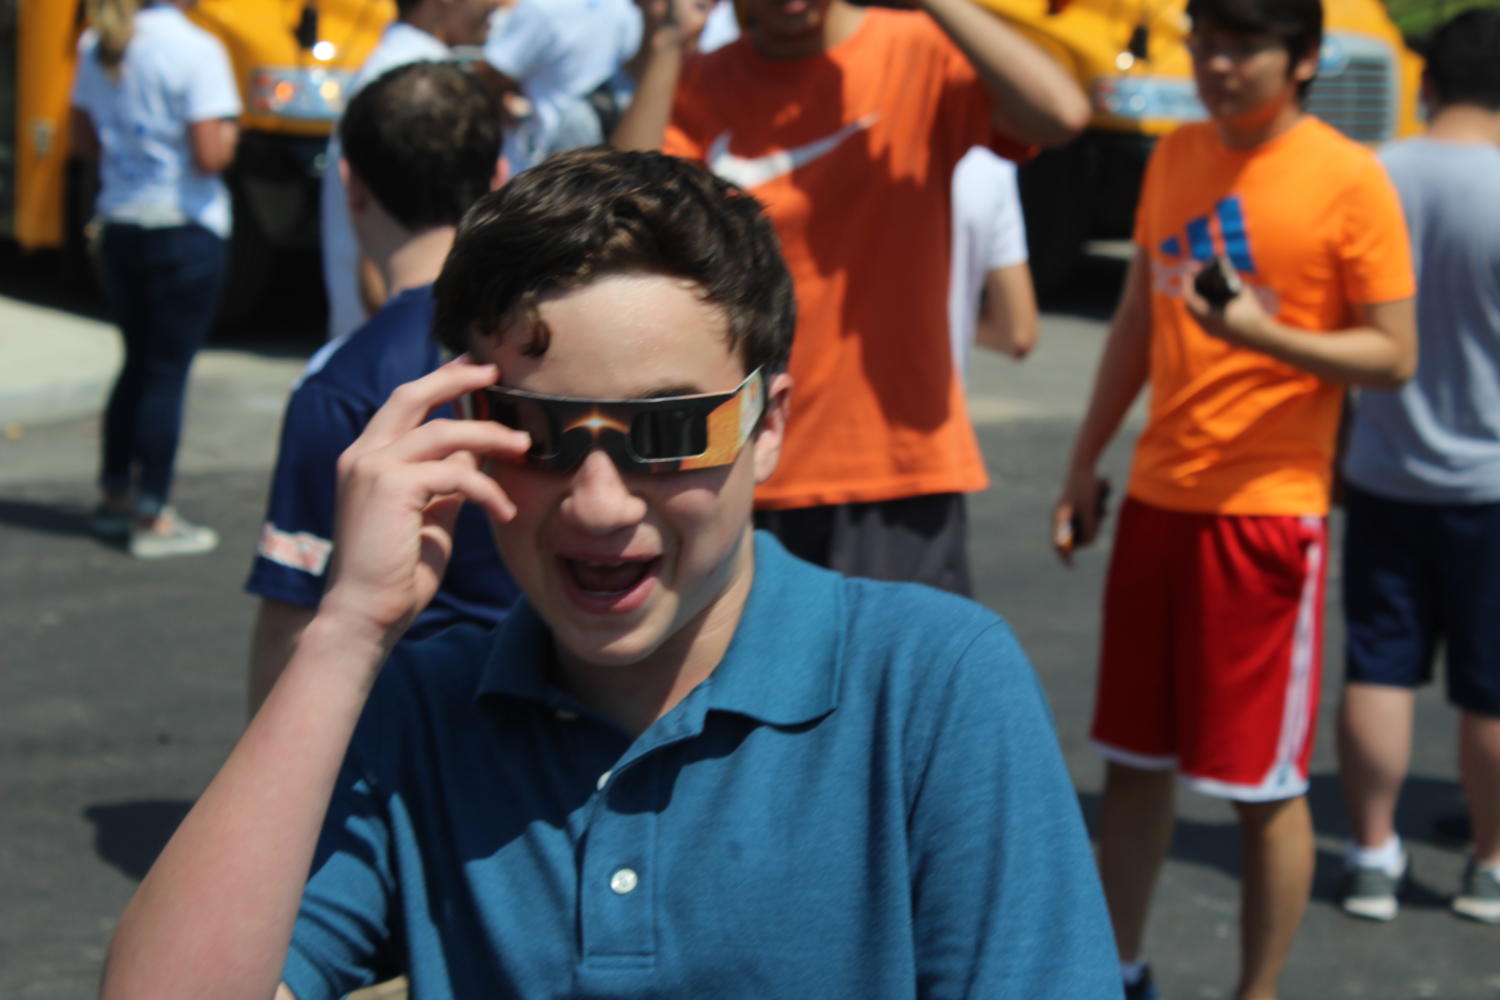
[(600, 499)]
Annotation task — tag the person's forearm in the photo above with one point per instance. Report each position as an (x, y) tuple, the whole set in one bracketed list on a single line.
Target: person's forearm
[(1008, 315), (213, 143), (1359, 355), (278, 629), (644, 124), (1122, 372), (1035, 100), (214, 916)]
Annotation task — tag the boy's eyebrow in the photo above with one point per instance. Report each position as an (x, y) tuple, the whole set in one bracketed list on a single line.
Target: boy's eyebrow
[(668, 391)]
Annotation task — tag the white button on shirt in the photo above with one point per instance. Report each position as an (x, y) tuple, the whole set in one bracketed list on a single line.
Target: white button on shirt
[(624, 880), (604, 780)]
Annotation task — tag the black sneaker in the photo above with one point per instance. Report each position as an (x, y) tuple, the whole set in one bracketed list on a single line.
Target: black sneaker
[(1142, 988), (1479, 899), (1372, 893)]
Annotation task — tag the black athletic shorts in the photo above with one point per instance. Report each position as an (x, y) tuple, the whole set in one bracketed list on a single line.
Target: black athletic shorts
[(914, 539)]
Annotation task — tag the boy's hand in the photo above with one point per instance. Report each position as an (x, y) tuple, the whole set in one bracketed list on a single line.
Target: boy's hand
[(401, 484), (682, 20), (1077, 513), (1241, 321)]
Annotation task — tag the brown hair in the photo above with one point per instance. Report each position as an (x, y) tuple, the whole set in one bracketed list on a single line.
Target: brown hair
[(114, 22), (591, 212)]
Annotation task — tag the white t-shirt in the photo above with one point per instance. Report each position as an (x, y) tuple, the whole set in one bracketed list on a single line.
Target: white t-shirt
[(173, 75), (988, 233), (400, 44), (559, 51), (720, 27)]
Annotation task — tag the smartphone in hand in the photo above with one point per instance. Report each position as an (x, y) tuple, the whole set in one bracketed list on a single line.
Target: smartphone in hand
[(1218, 282), (1101, 506)]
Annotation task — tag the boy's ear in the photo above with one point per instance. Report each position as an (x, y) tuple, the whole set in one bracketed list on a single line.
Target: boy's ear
[(1306, 68), (767, 443), (356, 191)]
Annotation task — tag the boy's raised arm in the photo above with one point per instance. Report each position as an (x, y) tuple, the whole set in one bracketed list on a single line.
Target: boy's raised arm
[(214, 916)]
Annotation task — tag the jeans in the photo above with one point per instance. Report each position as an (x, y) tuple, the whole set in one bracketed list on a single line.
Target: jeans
[(162, 286)]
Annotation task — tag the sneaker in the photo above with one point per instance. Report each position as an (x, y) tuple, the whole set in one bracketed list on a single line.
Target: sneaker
[(1479, 899), (171, 536), (1372, 893), (1142, 988)]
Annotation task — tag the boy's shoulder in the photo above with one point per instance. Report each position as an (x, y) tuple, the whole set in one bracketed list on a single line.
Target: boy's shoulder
[(392, 347), (882, 635)]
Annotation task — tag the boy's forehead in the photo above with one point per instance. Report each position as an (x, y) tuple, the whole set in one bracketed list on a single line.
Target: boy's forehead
[(628, 336)]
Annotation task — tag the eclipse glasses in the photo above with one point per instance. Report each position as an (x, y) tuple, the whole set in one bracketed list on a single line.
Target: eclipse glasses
[(670, 434)]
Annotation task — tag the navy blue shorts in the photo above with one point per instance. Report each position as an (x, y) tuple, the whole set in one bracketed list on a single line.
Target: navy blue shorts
[(1418, 575)]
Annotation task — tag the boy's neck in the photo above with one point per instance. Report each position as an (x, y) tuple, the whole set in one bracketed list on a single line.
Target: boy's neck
[(636, 695), (1467, 124), (413, 261), (426, 18), (839, 22), (1258, 127)]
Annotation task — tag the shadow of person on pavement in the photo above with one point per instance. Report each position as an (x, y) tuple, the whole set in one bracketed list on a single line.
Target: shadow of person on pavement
[(1216, 844), (129, 835), (45, 518)]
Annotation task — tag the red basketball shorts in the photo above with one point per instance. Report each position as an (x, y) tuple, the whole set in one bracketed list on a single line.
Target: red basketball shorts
[(1211, 655)]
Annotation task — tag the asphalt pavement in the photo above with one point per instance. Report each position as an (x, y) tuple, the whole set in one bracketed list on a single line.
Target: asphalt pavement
[(121, 682)]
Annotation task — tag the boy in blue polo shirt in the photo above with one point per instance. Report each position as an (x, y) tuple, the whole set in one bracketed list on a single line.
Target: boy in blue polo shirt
[(687, 764)]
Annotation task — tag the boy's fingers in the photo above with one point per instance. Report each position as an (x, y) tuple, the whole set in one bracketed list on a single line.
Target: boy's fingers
[(1062, 532), (438, 440), (410, 404)]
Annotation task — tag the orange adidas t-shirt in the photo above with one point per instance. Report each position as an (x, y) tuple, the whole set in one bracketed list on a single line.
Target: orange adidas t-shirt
[(852, 153), (1313, 226)]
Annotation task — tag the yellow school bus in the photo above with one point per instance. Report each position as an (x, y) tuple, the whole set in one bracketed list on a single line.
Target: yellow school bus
[(294, 60), (1130, 58)]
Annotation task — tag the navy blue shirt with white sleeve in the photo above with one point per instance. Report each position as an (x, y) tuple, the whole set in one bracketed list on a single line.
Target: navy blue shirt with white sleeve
[(864, 800), (339, 393)]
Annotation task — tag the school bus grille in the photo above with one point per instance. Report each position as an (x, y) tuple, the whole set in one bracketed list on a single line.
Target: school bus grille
[(1357, 98)]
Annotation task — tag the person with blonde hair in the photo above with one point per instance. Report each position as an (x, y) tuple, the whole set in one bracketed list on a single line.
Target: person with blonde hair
[(155, 103)]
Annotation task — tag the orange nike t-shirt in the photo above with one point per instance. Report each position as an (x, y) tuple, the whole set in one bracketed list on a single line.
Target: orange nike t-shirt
[(1314, 227), (852, 153)]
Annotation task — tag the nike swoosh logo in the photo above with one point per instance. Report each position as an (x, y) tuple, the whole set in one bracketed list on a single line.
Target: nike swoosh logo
[(752, 171)]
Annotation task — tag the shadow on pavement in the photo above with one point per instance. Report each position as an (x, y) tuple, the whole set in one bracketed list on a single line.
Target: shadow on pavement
[(44, 518), (1424, 803), (129, 835)]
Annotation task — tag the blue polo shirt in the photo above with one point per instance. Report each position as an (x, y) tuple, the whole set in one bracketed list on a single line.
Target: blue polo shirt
[(864, 800)]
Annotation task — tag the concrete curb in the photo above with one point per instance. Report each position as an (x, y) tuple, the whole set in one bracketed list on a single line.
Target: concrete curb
[(53, 365)]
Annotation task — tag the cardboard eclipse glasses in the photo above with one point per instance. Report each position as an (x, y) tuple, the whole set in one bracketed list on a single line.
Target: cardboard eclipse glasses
[(670, 434)]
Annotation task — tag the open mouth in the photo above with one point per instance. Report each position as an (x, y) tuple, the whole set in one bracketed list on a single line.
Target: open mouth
[(609, 586), (607, 578)]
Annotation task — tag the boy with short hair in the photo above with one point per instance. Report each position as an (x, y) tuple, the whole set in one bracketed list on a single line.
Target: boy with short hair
[(1209, 662), (423, 30), (420, 145), (1422, 547), (687, 764)]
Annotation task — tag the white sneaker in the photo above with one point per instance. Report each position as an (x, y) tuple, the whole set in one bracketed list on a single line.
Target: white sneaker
[(1479, 898), (171, 536), (1372, 893)]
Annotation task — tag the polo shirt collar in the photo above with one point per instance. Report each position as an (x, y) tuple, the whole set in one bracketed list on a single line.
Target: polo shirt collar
[(781, 668)]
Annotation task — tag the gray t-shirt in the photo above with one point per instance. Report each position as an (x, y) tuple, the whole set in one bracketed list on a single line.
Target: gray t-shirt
[(1437, 439)]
